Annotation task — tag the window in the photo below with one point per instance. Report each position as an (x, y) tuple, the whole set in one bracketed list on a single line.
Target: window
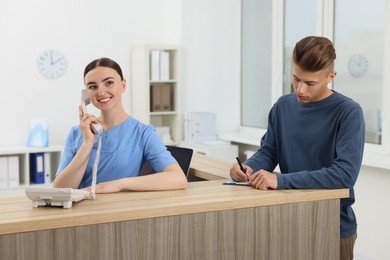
[(256, 62), (359, 62), (296, 27), (362, 42)]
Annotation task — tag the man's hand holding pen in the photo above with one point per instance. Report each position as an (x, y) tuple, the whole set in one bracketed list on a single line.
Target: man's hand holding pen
[(262, 180), (240, 172)]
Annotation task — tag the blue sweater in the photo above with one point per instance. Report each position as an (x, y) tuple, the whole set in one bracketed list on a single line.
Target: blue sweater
[(317, 145)]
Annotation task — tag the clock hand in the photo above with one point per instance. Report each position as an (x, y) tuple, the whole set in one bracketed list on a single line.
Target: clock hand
[(54, 62), (51, 57)]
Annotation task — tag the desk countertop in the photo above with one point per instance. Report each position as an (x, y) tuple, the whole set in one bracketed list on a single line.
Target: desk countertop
[(209, 168), (17, 214)]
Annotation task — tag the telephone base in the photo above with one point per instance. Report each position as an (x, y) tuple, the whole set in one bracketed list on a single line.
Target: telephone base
[(58, 197), (64, 204)]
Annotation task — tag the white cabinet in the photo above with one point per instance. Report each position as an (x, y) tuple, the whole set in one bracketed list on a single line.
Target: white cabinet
[(217, 149), (156, 89), (15, 167)]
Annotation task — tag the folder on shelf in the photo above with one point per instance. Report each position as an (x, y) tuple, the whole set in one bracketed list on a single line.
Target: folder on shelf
[(161, 97), (3, 172), (155, 98), (47, 168), (166, 97), (37, 168), (155, 65), (13, 171), (200, 127), (164, 65)]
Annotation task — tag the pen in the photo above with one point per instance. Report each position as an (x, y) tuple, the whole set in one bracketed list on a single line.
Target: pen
[(241, 167)]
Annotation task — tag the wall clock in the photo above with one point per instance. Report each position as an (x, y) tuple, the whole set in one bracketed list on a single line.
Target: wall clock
[(358, 65), (52, 64)]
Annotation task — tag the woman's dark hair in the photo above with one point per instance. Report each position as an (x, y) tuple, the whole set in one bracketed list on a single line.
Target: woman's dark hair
[(103, 62), (314, 53)]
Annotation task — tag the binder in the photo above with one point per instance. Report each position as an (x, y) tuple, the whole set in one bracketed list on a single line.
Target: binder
[(187, 128), (165, 97), (161, 97), (155, 65), (3, 172), (37, 168), (47, 168), (200, 127), (155, 97), (164, 65), (13, 171)]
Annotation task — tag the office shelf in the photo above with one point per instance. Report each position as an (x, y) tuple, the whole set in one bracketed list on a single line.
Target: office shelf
[(143, 82), (52, 157)]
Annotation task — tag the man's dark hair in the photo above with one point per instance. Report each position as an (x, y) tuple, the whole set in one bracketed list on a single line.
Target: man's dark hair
[(314, 53)]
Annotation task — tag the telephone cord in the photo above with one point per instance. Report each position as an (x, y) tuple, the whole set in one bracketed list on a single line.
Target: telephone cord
[(95, 166)]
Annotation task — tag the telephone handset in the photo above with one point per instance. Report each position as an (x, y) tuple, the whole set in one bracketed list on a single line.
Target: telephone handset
[(96, 128)]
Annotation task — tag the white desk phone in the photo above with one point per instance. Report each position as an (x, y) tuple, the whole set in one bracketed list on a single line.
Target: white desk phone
[(45, 196)]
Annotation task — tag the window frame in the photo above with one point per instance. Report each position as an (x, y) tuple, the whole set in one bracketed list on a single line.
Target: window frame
[(375, 155)]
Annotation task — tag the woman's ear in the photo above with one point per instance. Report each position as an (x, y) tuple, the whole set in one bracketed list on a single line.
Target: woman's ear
[(123, 85)]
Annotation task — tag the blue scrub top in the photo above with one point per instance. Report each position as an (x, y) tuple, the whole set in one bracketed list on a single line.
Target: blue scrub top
[(125, 148)]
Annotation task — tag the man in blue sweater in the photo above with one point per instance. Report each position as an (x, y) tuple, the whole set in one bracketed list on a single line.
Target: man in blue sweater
[(316, 135)]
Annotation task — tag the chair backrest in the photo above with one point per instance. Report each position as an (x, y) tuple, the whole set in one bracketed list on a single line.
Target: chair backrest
[(182, 155)]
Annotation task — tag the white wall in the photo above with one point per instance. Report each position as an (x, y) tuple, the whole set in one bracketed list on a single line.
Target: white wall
[(372, 210), (208, 30), (82, 30), (211, 50), (210, 34)]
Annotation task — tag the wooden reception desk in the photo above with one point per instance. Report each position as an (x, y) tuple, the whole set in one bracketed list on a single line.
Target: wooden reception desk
[(208, 220)]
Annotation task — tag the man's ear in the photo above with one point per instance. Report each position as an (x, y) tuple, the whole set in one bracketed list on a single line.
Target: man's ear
[(332, 75)]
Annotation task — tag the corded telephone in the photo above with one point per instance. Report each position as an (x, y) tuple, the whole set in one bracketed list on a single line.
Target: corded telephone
[(45, 196), (96, 128)]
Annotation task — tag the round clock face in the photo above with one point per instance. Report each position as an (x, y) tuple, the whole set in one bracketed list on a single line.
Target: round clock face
[(358, 65), (51, 64)]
